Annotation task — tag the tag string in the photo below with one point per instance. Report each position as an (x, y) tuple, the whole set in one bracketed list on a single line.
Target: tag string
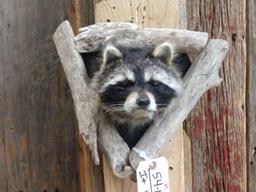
[(141, 153)]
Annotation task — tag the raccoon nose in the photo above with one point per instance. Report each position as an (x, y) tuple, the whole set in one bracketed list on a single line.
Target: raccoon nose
[(143, 101)]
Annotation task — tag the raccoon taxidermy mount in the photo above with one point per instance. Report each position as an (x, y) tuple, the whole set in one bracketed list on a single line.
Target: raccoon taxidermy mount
[(135, 85)]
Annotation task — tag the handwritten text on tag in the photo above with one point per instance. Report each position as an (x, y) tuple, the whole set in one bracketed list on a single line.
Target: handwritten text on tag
[(152, 175)]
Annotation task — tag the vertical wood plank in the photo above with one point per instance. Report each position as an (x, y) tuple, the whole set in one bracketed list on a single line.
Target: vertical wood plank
[(106, 11), (82, 13), (251, 94), (218, 122), (91, 176), (178, 154), (38, 144), (115, 184), (161, 13), (149, 13)]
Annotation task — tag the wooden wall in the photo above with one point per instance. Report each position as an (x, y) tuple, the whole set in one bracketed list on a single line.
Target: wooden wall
[(39, 145), (217, 125), (38, 138), (251, 94)]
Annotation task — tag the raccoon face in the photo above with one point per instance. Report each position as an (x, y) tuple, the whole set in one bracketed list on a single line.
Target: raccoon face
[(136, 84)]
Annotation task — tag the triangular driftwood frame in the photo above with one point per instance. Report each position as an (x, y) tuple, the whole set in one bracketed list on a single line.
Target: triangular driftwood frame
[(203, 75)]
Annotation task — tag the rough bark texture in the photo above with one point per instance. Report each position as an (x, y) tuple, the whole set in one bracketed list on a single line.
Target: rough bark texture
[(251, 94), (85, 100), (93, 37), (38, 145), (217, 124)]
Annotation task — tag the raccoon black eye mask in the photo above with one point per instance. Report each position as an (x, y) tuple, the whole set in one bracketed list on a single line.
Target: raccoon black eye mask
[(136, 85)]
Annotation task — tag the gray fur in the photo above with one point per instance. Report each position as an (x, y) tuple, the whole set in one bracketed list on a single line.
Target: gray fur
[(120, 63)]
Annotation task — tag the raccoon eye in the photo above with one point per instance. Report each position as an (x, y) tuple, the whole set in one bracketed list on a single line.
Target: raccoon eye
[(154, 83), (125, 84)]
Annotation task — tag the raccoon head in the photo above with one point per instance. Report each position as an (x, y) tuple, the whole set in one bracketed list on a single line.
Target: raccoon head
[(135, 84)]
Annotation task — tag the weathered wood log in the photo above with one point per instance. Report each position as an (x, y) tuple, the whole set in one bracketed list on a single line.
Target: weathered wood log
[(114, 148), (93, 37), (202, 76), (85, 100)]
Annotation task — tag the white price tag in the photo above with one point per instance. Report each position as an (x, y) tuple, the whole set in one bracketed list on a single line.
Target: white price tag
[(152, 175)]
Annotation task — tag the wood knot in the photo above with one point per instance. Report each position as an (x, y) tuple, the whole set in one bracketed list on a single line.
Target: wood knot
[(234, 36)]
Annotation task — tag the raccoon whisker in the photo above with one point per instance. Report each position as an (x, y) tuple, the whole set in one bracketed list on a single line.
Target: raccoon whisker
[(161, 104), (116, 105), (115, 109), (111, 107), (110, 110), (107, 111)]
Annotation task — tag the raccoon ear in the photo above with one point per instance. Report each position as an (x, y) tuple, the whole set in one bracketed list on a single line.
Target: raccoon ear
[(182, 63), (110, 54), (92, 62), (164, 52)]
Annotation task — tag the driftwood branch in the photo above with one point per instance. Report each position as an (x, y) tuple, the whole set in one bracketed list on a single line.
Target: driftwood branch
[(93, 37), (85, 100), (114, 148), (202, 76)]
